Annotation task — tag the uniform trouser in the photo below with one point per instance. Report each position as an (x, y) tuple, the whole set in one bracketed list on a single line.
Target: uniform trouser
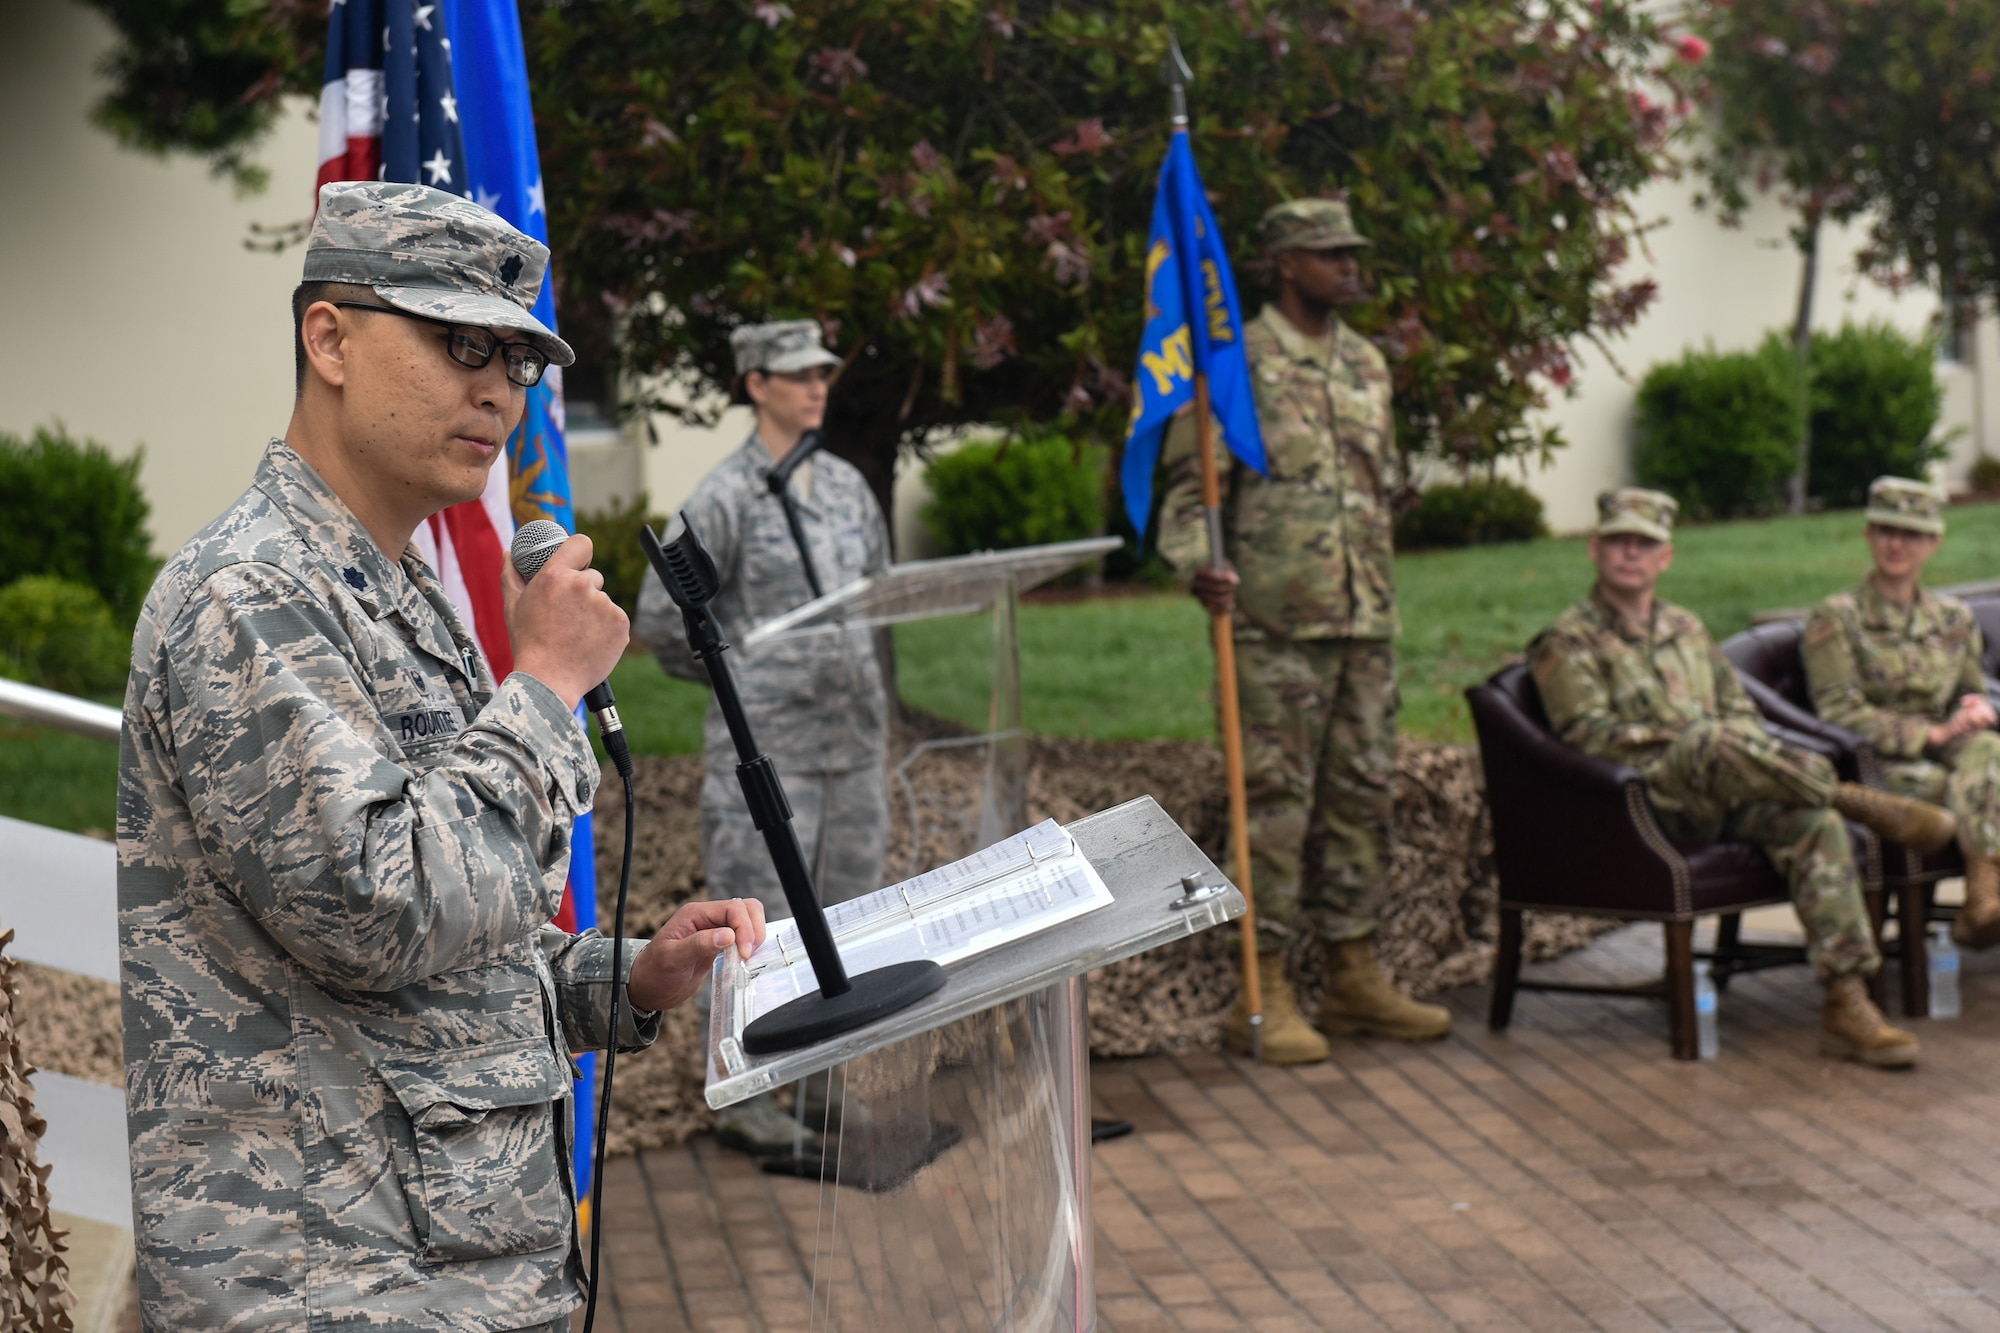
[(1727, 779), (1319, 753), (842, 821), (1965, 779)]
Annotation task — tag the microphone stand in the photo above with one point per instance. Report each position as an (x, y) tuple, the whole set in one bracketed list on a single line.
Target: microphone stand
[(842, 1003)]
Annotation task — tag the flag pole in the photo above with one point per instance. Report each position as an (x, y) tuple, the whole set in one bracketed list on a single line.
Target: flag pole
[(1224, 635)]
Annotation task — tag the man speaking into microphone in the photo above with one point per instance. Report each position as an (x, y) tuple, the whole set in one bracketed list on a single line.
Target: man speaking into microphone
[(347, 1017)]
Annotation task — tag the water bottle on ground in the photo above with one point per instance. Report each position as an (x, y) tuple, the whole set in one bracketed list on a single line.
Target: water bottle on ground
[(1706, 1041), (1944, 973)]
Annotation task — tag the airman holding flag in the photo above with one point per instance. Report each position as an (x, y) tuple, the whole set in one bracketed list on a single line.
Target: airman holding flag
[(1310, 587)]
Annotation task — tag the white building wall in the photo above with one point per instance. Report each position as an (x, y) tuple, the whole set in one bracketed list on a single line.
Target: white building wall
[(135, 316), (1730, 286)]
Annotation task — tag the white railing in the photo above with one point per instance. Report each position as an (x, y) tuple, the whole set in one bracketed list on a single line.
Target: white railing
[(46, 708)]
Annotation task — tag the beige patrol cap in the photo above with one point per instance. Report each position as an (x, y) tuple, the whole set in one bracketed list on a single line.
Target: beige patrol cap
[(1899, 502), (1636, 510), (1309, 224), (432, 253), (780, 347)]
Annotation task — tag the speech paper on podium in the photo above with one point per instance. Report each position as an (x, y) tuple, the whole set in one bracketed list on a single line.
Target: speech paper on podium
[(1024, 885)]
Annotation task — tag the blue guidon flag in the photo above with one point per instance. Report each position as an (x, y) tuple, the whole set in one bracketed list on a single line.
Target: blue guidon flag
[(1194, 325), (436, 92)]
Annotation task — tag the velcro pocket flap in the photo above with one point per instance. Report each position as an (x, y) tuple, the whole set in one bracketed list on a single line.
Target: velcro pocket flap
[(460, 1087)]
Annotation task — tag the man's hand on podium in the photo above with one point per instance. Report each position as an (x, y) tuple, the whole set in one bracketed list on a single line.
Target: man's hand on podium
[(673, 965)]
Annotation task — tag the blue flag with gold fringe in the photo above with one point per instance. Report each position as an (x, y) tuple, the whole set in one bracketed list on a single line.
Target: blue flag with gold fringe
[(1193, 324)]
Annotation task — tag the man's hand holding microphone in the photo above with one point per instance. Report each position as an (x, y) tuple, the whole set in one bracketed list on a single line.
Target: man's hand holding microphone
[(568, 634)]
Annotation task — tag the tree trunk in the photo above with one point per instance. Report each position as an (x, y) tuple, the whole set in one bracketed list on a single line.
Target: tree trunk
[(1807, 237)]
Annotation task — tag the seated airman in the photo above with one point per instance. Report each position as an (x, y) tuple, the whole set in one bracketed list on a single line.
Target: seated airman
[(1633, 679), (1901, 665)]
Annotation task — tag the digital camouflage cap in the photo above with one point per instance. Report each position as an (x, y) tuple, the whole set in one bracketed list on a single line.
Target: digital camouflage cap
[(1899, 502), (780, 347), (435, 254), (1636, 510), (1309, 224)]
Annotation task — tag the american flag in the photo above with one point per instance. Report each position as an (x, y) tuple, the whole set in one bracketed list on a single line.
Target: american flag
[(400, 103)]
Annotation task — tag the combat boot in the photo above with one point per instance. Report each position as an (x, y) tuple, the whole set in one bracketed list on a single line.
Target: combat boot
[(1852, 1028), (762, 1128), (1362, 1002), (1288, 1038), (1978, 924), (1918, 824)]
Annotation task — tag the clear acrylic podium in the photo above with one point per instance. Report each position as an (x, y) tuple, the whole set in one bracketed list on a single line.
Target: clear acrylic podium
[(959, 1194), (933, 589)]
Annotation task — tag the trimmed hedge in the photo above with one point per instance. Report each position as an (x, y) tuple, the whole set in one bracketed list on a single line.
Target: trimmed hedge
[(1719, 430), (1477, 513), (993, 495), (1875, 405), (61, 636), (70, 510)]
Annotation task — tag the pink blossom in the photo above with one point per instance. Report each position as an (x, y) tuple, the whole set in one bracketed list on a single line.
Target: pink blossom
[(770, 14), (1692, 49), (839, 66), (1089, 137), (928, 291), (992, 341)]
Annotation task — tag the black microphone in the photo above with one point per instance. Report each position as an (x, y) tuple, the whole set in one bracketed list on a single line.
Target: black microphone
[(533, 545)]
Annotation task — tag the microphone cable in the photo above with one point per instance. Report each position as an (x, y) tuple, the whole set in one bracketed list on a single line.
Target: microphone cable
[(621, 756)]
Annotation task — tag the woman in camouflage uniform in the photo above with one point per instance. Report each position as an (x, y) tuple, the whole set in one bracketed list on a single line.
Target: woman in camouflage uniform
[(1901, 665)]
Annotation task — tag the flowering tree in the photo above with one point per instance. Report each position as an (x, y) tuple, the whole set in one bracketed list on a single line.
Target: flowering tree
[(960, 189)]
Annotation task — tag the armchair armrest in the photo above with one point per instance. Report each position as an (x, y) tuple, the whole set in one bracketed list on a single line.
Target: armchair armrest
[(1562, 817)]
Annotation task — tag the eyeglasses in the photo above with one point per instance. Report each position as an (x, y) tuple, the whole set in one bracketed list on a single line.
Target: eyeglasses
[(472, 346)]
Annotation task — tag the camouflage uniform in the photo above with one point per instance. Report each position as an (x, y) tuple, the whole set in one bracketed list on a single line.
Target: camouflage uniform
[(1315, 621), (1663, 699), (816, 702), (347, 1018), (346, 1015), (1890, 673)]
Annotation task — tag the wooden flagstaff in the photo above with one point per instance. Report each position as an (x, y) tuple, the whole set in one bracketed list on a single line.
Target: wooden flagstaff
[(1178, 75), (1232, 720)]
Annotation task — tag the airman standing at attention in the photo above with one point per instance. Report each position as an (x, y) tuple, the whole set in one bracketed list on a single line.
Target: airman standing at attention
[(1310, 582), (1636, 680), (1901, 665)]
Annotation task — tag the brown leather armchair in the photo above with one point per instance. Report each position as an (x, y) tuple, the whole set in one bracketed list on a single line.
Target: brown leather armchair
[(1573, 833), (1773, 670)]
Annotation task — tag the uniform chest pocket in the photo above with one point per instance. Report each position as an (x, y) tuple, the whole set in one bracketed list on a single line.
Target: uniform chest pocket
[(486, 1179)]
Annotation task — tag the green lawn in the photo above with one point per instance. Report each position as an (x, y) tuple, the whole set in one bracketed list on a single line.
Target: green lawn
[(1139, 666), (51, 777)]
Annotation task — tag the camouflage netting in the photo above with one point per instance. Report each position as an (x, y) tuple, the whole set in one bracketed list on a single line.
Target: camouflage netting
[(35, 1295), (1438, 935)]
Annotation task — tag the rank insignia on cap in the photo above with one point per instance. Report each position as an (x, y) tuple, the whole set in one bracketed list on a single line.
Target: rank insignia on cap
[(511, 269)]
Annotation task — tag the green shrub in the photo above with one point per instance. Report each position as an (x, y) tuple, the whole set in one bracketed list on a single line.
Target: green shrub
[(615, 549), (61, 636), (993, 495), (71, 510), (1985, 478), (1719, 430), (1875, 404), (1475, 514)]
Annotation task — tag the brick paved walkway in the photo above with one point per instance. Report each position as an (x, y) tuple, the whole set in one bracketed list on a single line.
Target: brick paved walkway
[(1565, 1175)]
